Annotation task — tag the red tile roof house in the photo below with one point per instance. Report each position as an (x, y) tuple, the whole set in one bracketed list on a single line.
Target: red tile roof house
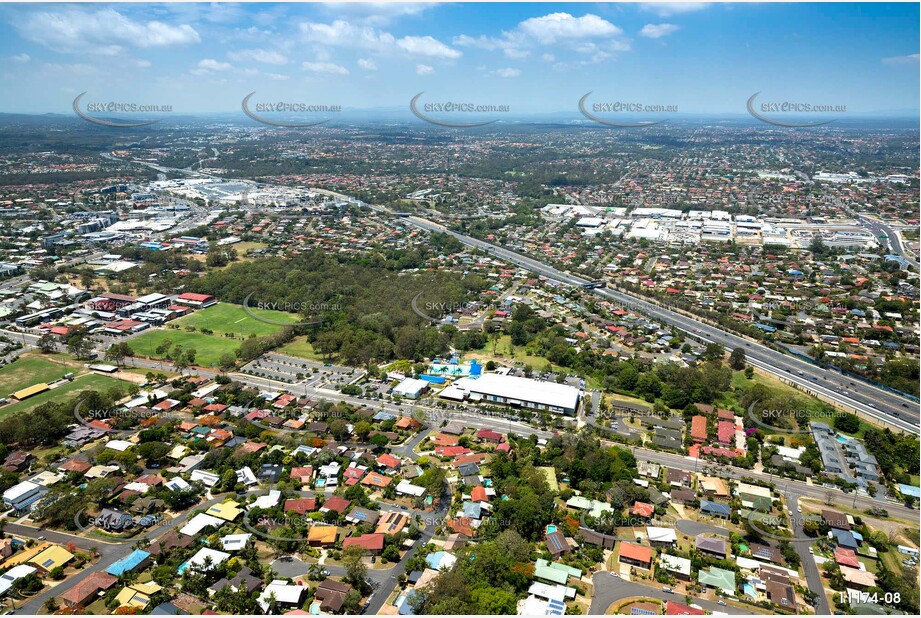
[(726, 415), (635, 555), (75, 465), (375, 480), (388, 461), (641, 509), (336, 503), (489, 436), (301, 506), (725, 432), (699, 428), (847, 557), (371, 543), (478, 494), (85, 592)]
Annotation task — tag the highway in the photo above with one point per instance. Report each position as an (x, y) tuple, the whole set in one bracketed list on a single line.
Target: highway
[(859, 396), (879, 229)]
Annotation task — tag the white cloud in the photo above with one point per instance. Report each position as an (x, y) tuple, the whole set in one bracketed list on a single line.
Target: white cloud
[(367, 64), (548, 57), (210, 64), (516, 54), (657, 31), (564, 27), (583, 34), (278, 77), (265, 56), (21, 58), (909, 59), (105, 32), (330, 68), (667, 9), (427, 46), (507, 72), (341, 33), (378, 13), (143, 64), (424, 69)]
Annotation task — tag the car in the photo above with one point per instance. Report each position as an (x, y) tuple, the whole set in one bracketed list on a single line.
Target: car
[(721, 602), (790, 512), (41, 538), (799, 509), (667, 589), (615, 574), (811, 551)]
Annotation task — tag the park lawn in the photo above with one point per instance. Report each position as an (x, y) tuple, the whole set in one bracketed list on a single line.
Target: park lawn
[(504, 355), (31, 369), (208, 348), (82, 383), (740, 381), (301, 348), (225, 318)]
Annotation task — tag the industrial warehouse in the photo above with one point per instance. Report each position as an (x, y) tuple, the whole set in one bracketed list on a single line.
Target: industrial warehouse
[(516, 392)]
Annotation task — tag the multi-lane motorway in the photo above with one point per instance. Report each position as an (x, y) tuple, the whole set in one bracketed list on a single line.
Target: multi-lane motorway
[(862, 397), (880, 229)]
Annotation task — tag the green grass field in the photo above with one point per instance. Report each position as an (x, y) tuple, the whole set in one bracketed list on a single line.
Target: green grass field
[(209, 348), (225, 318), (86, 382), (27, 371), (301, 348)]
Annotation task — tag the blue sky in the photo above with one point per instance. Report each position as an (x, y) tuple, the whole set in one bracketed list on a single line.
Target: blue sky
[(702, 57)]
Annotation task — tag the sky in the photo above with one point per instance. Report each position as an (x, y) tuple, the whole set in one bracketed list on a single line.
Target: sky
[(704, 58)]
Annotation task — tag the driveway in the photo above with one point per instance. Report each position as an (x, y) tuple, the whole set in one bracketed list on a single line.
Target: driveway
[(693, 528)]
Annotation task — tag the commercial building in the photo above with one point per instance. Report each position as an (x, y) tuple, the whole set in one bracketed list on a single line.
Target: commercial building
[(519, 393)]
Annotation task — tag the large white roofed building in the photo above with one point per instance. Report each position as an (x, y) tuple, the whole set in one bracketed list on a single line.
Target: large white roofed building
[(522, 393)]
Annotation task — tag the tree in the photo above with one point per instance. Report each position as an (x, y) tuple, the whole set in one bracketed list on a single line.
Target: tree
[(118, 351), (226, 362), (362, 429), (847, 423), (713, 352), (47, 343), (79, 344), (162, 350), (355, 568), (737, 359)]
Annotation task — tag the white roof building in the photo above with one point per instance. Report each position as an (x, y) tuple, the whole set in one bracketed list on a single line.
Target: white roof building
[(522, 392), (661, 535), (284, 593), (119, 445), (205, 555), (17, 572), (410, 388), (235, 542), (208, 479), (406, 488), (267, 501), (676, 564), (199, 523)]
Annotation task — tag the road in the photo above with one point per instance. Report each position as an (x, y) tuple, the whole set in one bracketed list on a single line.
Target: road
[(813, 578), (609, 589), (878, 228), (867, 399)]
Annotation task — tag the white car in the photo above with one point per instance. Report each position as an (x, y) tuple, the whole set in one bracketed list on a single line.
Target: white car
[(799, 509), (721, 602), (790, 512)]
